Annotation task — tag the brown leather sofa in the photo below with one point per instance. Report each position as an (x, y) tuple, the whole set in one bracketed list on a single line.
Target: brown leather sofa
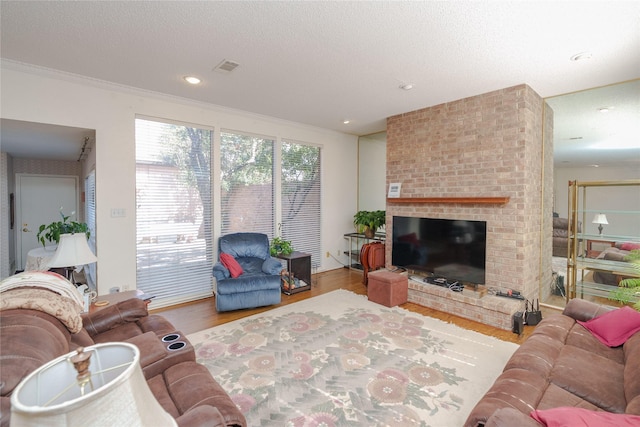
[(614, 253), (185, 389), (563, 365), (561, 236)]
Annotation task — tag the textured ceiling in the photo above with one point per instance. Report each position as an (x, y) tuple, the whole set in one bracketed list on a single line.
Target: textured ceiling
[(320, 63)]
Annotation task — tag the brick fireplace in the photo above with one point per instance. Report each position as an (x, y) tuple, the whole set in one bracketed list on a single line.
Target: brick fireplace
[(486, 146)]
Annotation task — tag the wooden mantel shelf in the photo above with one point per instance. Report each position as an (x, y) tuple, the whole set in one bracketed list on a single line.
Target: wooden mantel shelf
[(460, 200)]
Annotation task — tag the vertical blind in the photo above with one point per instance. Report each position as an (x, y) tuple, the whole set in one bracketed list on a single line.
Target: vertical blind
[(90, 219), (301, 197), (246, 176), (173, 211)]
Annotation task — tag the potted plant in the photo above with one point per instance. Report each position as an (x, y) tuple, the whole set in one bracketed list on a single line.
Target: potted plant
[(280, 246), (51, 232), (628, 290), (369, 221)]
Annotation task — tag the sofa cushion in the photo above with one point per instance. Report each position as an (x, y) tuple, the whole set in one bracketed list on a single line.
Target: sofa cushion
[(575, 371), (615, 327), (578, 417), (613, 254), (245, 245), (582, 338), (231, 264), (555, 396)]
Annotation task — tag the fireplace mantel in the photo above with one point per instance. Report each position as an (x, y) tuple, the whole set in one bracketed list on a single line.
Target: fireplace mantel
[(450, 200)]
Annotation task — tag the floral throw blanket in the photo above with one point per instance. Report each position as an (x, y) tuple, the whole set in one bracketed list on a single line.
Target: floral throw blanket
[(45, 292)]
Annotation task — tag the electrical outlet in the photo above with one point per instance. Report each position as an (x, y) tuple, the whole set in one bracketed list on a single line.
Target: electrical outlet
[(328, 254), (338, 252)]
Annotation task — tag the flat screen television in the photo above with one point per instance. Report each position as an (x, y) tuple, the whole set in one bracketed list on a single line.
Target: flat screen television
[(454, 249)]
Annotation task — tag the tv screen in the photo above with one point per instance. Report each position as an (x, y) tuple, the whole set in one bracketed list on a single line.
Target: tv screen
[(454, 249)]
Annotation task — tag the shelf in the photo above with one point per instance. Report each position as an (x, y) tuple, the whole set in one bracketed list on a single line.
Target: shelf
[(576, 261), (616, 267), (607, 237), (451, 200)]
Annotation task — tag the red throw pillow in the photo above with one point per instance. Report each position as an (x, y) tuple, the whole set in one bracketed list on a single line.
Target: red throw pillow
[(580, 417), (615, 327), (231, 264), (629, 246)]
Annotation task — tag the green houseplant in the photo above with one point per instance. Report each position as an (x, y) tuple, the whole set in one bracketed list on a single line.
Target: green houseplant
[(628, 290), (51, 232), (280, 246), (369, 221)]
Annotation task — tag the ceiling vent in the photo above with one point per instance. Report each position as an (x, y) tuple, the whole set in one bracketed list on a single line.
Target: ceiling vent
[(226, 66)]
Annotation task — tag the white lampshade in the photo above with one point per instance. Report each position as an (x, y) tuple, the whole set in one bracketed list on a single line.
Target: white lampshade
[(72, 251), (119, 395), (600, 219)]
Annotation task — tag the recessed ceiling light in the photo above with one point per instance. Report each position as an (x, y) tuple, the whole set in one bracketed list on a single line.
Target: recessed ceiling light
[(406, 86), (346, 122), (192, 80), (595, 166), (582, 55), (605, 109)]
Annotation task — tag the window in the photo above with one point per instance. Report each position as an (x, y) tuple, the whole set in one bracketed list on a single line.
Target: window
[(90, 218), (246, 175), (301, 198), (173, 211)]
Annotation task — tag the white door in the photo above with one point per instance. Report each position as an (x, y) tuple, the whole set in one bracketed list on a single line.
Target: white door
[(39, 199)]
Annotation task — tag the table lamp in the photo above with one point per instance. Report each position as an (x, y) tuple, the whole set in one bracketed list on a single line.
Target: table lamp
[(101, 385), (72, 251), (600, 219)]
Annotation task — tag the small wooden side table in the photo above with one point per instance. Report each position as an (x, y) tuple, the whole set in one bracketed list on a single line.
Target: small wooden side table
[(596, 247), (299, 264), (113, 299)]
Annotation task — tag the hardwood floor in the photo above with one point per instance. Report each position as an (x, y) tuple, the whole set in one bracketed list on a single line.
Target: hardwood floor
[(198, 315)]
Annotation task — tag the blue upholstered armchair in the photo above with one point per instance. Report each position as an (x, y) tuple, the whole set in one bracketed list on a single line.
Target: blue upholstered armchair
[(259, 283)]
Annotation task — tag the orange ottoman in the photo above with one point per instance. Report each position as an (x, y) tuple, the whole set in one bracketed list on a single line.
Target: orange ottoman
[(386, 288)]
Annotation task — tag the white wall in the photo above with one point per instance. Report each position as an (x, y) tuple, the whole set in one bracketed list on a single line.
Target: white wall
[(372, 172), (603, 198), (43, 96)]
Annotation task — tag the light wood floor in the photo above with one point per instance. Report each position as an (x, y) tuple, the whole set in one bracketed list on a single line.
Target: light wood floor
[(198, 315)]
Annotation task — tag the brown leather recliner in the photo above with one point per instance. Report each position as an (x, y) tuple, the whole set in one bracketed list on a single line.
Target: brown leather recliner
[(183, 387)]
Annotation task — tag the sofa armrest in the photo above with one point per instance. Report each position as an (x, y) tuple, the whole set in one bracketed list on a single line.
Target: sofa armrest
[(110, 317), (150, 346), (202, 416), (509, 417), (220, 272), (583, 310), (271, 266)]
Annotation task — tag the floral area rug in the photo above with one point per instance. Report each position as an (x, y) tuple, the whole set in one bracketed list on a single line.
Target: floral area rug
[(341, 360)]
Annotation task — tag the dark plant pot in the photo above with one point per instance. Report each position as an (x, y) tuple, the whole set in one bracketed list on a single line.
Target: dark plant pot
[(369, 233)]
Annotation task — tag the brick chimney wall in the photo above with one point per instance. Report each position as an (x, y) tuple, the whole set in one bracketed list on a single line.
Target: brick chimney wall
[(489, 145)]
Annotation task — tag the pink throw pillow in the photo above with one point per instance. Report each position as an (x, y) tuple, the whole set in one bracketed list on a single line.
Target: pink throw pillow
[(629, 246), (615, 327), (231, 264), (580, 417)]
